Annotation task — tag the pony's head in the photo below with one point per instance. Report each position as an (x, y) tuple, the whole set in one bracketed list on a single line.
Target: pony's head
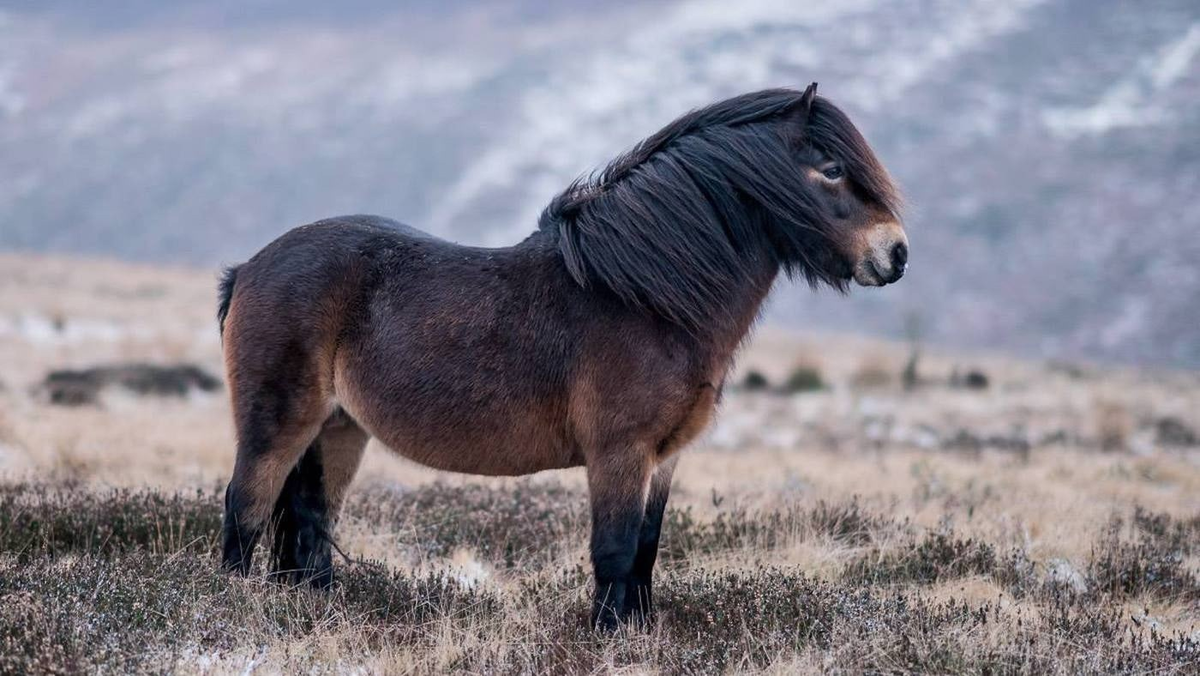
[(770, 179), (847, 225)]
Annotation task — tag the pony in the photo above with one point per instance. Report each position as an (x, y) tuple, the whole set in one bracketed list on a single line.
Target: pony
[(602, 340)]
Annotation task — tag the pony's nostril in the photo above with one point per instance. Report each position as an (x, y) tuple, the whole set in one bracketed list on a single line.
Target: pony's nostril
[(900, 254)]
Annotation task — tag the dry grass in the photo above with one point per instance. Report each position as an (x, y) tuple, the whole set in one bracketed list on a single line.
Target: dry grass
[(1048, 523)]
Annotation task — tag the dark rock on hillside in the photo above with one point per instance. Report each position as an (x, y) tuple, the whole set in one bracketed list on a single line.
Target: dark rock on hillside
[(76, 388)]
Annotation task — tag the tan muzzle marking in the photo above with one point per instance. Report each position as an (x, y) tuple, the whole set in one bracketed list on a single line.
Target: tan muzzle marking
[(877, 263)]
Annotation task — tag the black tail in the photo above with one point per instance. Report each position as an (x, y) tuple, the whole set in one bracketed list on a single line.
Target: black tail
[(225, 294)]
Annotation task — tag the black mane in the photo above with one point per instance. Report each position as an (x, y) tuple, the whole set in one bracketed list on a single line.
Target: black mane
[(675, 224)]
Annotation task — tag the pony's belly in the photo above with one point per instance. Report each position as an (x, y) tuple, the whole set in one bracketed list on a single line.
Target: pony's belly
[(483, 457), (446, 395), (507, 439)]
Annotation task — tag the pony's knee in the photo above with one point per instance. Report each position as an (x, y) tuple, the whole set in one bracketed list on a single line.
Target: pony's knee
[(256, 485)]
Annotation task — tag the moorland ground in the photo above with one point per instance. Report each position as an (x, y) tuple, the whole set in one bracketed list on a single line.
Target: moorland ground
[(833, 520)]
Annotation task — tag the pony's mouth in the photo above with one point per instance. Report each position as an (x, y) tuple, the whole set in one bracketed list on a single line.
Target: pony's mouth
[(868, 273), (886, 257)]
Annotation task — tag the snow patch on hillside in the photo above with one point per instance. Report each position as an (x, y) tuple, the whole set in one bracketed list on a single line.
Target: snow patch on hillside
[(697, 53), (1135, 101)]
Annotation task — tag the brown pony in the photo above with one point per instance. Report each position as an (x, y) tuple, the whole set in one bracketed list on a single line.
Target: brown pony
[(602, 340)]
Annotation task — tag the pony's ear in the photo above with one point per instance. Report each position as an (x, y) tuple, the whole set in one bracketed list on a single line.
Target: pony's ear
[(798, 112)]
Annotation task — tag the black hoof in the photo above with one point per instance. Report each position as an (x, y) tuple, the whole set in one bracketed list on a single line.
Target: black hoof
[(322, 579), (605, 620), (608, 617), (237, 554)]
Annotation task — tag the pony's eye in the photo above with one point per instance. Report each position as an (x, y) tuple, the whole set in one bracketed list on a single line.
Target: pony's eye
[(833, 173)]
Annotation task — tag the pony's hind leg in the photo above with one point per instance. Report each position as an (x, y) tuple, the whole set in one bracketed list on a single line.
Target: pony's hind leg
[(638, 600), (342, 443), (298, 521), (307, 508), (276, 421)]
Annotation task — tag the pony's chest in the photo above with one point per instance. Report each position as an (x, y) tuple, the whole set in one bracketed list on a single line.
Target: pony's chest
[(696, 417)]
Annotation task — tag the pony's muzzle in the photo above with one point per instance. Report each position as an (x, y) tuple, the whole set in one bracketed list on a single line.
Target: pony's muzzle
[(885, 259)]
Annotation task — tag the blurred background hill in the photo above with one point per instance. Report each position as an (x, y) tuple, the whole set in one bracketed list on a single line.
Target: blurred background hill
[(1050, 150)]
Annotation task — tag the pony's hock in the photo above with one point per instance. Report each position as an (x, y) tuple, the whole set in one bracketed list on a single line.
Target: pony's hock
[(603, 339)]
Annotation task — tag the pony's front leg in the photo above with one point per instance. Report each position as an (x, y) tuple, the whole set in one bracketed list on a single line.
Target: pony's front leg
[(617, 482), (639, 602)]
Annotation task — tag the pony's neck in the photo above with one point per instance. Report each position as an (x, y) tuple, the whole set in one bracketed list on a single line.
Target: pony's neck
[(727, 334), (719, 338)]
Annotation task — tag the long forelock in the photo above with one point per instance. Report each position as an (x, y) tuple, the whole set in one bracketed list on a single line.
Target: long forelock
[(830, 131), (666, 226)]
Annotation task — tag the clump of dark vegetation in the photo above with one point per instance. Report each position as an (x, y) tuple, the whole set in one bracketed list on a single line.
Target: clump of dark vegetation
[(710, 612), (76, 388), (1069, 369), (739, 530), (127, 581), (755, 381), (935, 557), (1165, 531), (1171, 431), (975, 380), (803, 379), (1146, 556), (972, 379), (42, 520), (967, 440)]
